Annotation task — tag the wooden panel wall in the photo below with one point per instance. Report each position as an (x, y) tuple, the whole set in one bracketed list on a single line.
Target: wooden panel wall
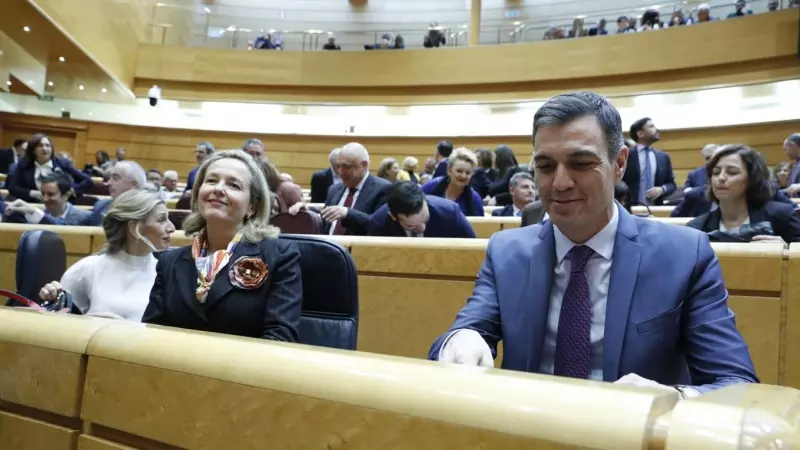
[(167, 148)]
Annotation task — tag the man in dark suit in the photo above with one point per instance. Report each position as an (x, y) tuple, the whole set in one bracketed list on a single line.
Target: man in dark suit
[(351, 202), (10, 156), (791, 147), (443, 150), (523, 191), (577, 296), (649, 173), (408, 212), (694, 190), (323, 179), (201, 152)]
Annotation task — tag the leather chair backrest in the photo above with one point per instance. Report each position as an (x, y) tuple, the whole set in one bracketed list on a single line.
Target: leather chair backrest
[(85, 200), (305, 222), (177, 218), (98, 189), (330, 293), (184, 202), (41, 258)]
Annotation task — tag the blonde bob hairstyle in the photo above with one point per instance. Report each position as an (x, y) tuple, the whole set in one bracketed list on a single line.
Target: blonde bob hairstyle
[(386, 165), (256, 227), (131, 206), (462, 154)]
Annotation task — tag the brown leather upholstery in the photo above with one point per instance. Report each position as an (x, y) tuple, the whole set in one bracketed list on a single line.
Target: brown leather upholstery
[(177, 217), (305, 222), (184, 203), (85, 200)]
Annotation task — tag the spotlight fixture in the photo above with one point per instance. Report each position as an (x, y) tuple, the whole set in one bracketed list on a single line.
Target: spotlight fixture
[(62, 59), (50, 83), (80, 87), (8, 83), (104, 90), (27, 29)]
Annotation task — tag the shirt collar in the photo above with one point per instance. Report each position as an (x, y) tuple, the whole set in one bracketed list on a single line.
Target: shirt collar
[(361, 183), (49, 163), (602, 243), (66, 211)]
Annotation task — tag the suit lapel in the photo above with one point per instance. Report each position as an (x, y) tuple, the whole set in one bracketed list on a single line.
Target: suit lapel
[(534, 311), (222, 284), (186, 278), (362, 196), (624, 271)]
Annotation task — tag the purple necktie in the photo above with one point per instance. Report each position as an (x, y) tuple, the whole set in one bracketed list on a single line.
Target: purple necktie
[(575, 320)]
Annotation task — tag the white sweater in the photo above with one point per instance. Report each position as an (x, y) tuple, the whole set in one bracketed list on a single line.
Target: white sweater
[(119, 284)]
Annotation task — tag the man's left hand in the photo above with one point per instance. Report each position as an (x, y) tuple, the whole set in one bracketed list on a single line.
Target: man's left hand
[(654, 193), (333, 213), (19, 206)]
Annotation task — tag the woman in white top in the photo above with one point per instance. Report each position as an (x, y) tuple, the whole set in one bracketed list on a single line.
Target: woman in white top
[(116, 282)]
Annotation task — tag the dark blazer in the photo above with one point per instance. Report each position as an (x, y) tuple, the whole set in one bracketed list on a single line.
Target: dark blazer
[(780, 215), (190, 179), (664, 176), (6, 159), (446, 221), (93, 219), (695, 203), (321, 181), (481, 180), (21, 182), (441, 169), (371, 197), (270, 311), (499, 189), (533, 214), (506, 211)]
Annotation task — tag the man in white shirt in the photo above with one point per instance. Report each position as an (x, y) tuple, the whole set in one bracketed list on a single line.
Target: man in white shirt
[(554, 294), (56, 190), (169, 187), (523, 191)]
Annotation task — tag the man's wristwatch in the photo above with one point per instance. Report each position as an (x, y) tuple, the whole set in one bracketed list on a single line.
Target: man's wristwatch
[(686, 391)]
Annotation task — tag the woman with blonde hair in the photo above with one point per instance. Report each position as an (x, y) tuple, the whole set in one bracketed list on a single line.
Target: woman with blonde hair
[(388, 169), (116, 282), (237, 277), (409, 172), (455, 186)]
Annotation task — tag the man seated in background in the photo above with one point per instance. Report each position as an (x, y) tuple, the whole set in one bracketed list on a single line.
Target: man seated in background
[(255, 148), (121, 154), (10, 156), (169, 188), (523, 192), (409, 212), (154, 176), (56, 190), (201, 152)]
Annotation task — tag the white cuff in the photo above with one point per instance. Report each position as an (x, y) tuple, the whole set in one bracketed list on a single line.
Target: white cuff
[(35, 216)]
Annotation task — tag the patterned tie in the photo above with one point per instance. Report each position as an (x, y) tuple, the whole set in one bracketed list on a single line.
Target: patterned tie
[(575, 321), (648, 175)]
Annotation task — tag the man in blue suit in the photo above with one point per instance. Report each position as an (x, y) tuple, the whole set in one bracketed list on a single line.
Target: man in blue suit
[(649, 174), (443, 150), (201, 152), (694, 190), (594, 292), (523, 192), (409, 212)]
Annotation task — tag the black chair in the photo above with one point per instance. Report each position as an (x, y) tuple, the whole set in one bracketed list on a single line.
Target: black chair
[(184, 203), (41, 258), (177, 217), (330, 293), (304, 222)]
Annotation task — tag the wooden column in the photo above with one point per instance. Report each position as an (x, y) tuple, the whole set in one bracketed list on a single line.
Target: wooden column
[(475, 23)]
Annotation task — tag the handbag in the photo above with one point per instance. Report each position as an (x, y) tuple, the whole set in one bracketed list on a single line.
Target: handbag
[(62, 304)]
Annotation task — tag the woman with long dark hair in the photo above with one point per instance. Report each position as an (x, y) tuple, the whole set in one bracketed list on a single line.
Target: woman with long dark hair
[(455, 186), (507, 166), (39, 162), (285, 193), (484, 174)]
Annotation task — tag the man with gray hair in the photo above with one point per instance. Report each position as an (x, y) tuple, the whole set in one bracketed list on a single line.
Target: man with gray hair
[(523, 191), (169, 187), (791, 147), (595, 292), (323, 179), (254, 147)]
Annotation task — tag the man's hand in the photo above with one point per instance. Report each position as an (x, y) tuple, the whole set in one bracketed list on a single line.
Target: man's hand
[(296, 208), (36, 195), (333, 213), (654, 193), (466, 347), (792, 190), (19, 206)]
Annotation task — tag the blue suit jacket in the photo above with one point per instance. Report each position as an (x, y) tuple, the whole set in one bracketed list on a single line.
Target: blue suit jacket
[(93, 219), (446, 221), (664, 176), (506, 211), (441, 169), (667, 316), (190, 179)]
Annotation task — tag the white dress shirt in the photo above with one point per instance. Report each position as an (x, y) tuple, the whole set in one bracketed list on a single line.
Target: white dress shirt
[(37, 215), (598, 277), (41, 171), (344, 198)]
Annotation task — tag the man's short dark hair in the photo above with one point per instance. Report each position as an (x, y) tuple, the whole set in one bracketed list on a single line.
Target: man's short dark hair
[(444, 148), (18, 142), (405, 198), (61, 179), (208, 146), (794, 138), (637, 127), (565, 108), (155, 171), (759, 188)]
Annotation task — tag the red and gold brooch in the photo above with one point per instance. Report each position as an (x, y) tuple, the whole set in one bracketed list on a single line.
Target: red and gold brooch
[(248, 272)]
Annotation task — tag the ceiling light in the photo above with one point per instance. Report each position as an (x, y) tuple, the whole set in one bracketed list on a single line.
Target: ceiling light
[(208, 10), (80, 87), (62, 109), (8, 83), (50, 83), (26, 28), (104, 90), (517, 23), (90, 114), (62, 59)]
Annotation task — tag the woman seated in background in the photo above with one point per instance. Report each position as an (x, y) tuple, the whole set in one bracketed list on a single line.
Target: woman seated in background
[(455, 186), (284, 193), (781, 174), (237, 277), (39, 162), (116, 282), (57, 191), (388, 170), (507, 166), (738, 181), (409, 172), (485, 174)]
